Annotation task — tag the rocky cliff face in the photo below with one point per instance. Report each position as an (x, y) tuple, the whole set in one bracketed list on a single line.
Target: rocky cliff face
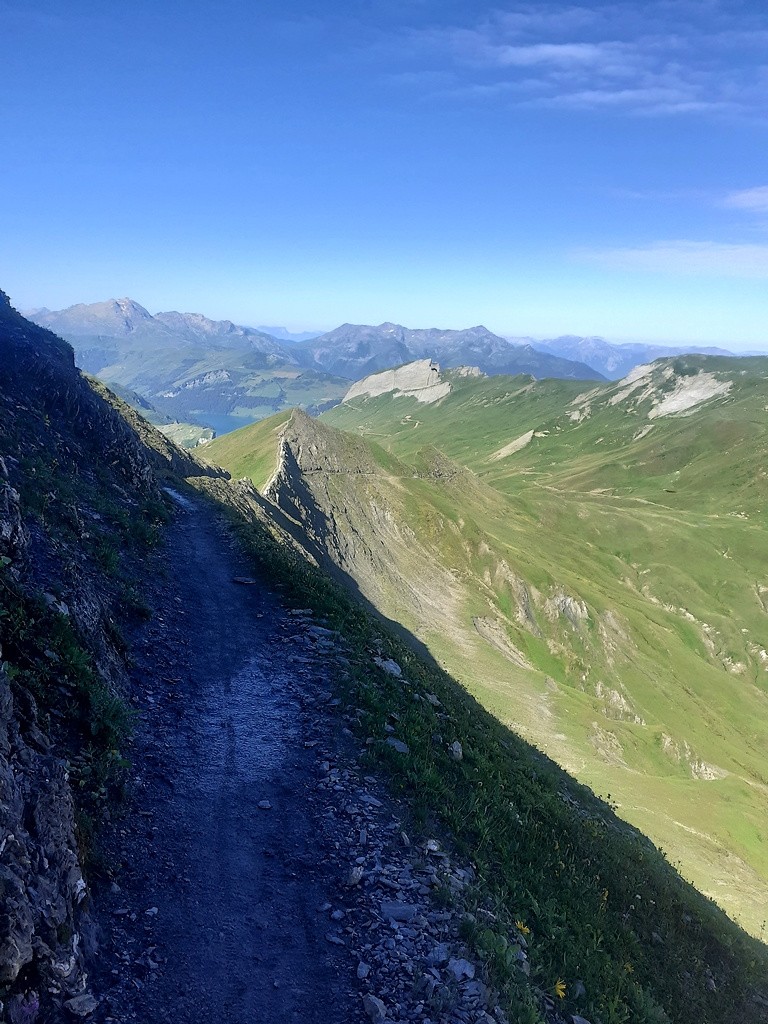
[(345, 502), (40, 876)]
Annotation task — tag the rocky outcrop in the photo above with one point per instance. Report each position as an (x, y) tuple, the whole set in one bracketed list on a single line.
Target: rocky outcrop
[(14, 535), (420, 380), (155, 448), (42, 886), (317, 448)]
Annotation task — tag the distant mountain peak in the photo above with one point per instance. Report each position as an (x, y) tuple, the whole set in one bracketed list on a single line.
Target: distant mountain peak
[(132, 308), (283, 334), (356, 351)]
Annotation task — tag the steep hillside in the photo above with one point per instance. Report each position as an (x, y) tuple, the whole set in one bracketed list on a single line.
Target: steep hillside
[(189, 368), (186, 435), (79, 506), (591, 563), (355, 351)]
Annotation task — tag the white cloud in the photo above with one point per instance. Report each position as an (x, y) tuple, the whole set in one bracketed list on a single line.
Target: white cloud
[(664, 57), (558, 54), (683, 256)]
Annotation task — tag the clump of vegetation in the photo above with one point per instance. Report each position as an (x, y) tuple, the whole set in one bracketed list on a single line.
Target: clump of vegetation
[(612, 931)]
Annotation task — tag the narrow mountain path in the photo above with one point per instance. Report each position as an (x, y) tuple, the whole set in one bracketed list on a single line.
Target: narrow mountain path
[(217, 909)]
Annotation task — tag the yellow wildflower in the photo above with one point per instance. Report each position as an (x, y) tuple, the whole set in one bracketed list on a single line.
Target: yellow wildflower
[(522, 928), (560, 988)]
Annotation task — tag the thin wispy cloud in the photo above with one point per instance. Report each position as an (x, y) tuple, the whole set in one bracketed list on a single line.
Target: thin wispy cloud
[(682, 256), (661, 58)]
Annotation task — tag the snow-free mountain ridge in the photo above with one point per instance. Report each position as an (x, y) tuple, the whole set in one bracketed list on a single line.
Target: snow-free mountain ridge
[(357, 350), (615, 361), (218, 374)]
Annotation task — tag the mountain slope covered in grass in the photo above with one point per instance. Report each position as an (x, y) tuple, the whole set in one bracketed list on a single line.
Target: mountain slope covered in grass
[(589, 560)]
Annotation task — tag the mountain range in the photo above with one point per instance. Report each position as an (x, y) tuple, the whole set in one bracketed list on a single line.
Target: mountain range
[(215, 373), (190, 369), (205, 373), (355, 350), (615, 361)]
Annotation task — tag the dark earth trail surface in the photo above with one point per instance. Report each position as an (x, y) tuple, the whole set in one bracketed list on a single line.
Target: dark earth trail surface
[(215, 898)]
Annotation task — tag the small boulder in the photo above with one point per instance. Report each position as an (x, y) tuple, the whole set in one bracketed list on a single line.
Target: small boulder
[(398, 745), (389, 666), (461, 969), (393, 910), (375, 1008), (82, 1005)]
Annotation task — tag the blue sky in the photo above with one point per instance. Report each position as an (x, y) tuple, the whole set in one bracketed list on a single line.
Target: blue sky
[(539, 168)]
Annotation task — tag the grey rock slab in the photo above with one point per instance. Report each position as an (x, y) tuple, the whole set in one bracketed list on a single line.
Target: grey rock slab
[(82, 1005), (394, 910), (389, 666), (461, 969), (439, 955)]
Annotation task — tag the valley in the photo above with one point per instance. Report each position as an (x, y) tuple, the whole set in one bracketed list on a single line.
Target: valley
[(588, 559)]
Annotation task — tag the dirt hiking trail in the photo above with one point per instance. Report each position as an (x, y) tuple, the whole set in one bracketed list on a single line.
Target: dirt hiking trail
[(214, 911)]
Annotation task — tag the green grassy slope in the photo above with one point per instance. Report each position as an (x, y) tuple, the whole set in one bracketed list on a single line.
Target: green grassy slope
[(601, 589), (610, 931)]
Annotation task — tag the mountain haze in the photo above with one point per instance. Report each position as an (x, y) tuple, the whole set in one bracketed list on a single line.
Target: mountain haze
[(615, 361), (285, 335)]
